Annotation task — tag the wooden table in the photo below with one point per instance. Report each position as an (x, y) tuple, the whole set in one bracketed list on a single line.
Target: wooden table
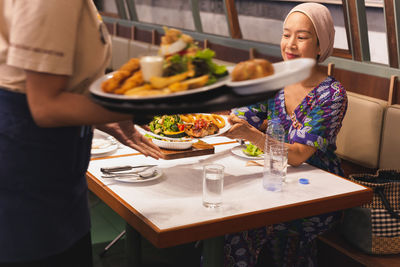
[(168, 211)]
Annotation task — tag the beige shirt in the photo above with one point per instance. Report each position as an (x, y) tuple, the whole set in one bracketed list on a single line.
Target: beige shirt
[(59, 37)]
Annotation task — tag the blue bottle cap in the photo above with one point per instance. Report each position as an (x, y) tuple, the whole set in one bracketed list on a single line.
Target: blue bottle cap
[(303, 181)]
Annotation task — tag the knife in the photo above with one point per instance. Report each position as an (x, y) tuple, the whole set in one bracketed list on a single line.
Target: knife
[(122, 168)]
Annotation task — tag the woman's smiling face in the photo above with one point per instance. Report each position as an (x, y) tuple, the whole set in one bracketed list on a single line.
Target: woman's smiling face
[(299, 38)]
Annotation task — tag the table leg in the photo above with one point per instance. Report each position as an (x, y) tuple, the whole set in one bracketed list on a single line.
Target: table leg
[(133, 248), (213, 252)]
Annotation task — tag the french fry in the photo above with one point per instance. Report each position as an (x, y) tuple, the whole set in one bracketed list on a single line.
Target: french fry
[(185, 118), (136, 90), (178, 86), (196, 82), (162, 82)]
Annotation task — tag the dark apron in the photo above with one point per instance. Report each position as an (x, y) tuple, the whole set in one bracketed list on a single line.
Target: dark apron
[(43, 190)]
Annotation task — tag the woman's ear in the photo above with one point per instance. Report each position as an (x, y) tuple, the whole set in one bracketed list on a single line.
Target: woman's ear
[(318, 51)]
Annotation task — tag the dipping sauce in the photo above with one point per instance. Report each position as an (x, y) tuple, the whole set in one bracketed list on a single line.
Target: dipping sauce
[(151, 66)]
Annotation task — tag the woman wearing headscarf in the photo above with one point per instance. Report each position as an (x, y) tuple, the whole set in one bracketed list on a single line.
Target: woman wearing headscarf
[(311, 113)]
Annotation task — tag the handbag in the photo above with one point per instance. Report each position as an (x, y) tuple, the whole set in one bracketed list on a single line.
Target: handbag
[(375, 227)]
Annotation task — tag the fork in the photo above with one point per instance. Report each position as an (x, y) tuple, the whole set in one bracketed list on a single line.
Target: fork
[(143, 175), (117, 169)]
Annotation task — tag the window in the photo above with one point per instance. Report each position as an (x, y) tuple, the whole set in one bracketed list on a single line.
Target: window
[(213, 19), (377, 35), (176, 13)]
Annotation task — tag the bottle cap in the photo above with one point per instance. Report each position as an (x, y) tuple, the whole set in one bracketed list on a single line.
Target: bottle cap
[(303, 181)]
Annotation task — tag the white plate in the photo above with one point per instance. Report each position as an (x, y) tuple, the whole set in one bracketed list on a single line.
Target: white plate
[(157, 175), (103, 144), (238, 151), (285, 73), (95, 88), (221, 130)]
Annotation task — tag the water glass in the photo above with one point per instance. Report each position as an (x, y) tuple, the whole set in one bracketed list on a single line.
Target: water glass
[(275, 172), (213, 183)]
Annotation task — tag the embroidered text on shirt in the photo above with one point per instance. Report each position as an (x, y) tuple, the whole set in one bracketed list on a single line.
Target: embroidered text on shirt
[(38, 50)]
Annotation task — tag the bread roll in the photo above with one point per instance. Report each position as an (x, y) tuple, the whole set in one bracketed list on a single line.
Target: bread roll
[(252, 69)]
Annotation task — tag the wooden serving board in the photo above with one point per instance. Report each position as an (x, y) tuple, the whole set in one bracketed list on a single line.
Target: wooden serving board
[(198, 149)]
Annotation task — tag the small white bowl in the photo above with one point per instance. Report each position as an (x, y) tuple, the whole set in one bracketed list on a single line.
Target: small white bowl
[(151, 66), (173, 145)]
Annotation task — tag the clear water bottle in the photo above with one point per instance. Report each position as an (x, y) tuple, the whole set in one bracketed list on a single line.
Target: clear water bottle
[(275, 160)]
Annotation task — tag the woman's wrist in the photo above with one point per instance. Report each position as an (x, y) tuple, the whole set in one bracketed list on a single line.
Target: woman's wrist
[(258, 139)]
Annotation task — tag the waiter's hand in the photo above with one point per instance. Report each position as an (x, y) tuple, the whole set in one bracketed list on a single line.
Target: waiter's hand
[(126, 133)]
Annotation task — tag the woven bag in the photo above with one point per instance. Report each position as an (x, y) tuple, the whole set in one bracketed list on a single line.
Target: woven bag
[(375, 227)]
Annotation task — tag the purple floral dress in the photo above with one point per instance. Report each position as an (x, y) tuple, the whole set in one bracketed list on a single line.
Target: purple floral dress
[(316, 122)]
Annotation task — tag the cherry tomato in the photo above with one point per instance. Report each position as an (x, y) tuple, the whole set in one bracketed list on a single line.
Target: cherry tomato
[(181, 127)]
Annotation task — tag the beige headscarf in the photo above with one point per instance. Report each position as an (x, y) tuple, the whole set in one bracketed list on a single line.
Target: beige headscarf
[(323, 24)]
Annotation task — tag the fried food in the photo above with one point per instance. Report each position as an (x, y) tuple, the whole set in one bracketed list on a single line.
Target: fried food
[(201, 128), (132, 65), (252, 69), (214, 118), (114, 82), (218, 120), (163, 82), (196, 82), (188, 118), (177, 87), (173, 35), (135, 80), (136, 90), (175, 41)]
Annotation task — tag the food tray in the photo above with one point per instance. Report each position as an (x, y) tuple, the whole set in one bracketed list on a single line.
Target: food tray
[(199, 148), (222, 98)]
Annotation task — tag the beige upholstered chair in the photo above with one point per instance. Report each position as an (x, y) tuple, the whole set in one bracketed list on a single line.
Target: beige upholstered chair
[(390, 146), (359, 139)]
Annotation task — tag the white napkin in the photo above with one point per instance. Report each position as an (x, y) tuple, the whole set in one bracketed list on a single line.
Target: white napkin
[(255, 163)]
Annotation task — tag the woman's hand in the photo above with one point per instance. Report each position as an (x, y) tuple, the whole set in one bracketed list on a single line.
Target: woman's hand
[(126, 133), (241, 129)]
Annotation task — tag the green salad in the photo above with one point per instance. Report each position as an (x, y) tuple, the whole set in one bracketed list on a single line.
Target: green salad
[(202, 64), (167, 125), (252, 150)]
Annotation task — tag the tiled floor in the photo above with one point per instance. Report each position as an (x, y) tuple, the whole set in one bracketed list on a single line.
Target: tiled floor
[(106, 225)]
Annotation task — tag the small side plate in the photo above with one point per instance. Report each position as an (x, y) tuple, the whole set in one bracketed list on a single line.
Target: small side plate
[(157, 175), (103, 144), (238, 151)]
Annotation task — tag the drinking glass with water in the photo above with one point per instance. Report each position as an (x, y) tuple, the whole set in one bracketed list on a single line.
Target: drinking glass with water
[(275, 159), (213, 183)]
